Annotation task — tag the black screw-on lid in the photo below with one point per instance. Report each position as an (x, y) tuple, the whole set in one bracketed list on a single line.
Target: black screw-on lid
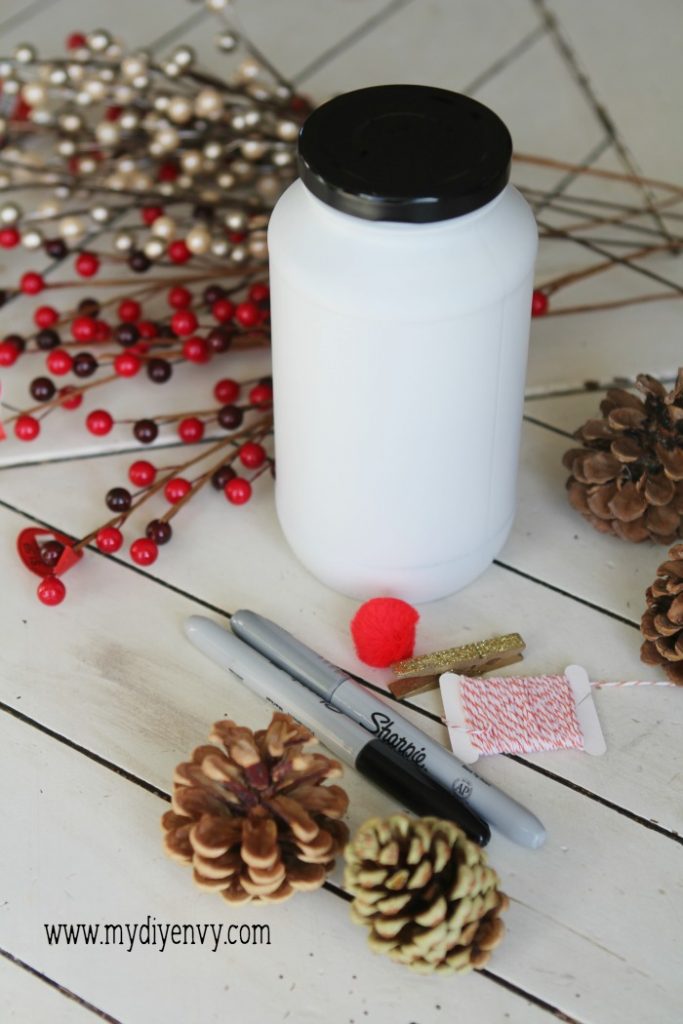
[(404, 153)]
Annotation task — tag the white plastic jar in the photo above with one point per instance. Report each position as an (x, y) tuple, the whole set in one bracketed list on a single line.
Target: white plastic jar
[(401, 268)]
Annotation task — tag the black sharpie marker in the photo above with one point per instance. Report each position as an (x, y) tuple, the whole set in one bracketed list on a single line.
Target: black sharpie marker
[(391, 728), (347, 740)]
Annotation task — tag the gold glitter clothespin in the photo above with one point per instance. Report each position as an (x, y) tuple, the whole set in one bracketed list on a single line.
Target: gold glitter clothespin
[(417, 675)]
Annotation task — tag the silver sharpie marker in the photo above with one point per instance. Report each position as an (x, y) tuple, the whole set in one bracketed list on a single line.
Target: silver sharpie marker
[(380, 719)]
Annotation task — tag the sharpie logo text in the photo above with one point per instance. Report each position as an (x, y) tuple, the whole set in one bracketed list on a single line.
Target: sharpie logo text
[(383, 727)]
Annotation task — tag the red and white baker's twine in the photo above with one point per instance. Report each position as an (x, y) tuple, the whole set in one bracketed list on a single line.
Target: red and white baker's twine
[(525, 714)]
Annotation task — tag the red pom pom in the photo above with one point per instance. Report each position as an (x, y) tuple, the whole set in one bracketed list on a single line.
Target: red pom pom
[(383, 631)]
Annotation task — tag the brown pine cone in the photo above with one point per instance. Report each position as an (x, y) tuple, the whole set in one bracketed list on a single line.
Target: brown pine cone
[(662, 623), (628, 477), (252, 815), (426, 893)]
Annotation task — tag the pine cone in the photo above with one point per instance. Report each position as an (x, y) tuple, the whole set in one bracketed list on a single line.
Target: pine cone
[(425, 892), (252, 816), (662, 623), (628, 477)]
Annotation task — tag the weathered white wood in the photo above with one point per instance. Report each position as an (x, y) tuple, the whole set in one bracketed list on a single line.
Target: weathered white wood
[(108, 867), (26, 998)]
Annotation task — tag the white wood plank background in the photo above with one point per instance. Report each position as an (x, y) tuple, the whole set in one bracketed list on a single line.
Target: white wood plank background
[(102, 696)]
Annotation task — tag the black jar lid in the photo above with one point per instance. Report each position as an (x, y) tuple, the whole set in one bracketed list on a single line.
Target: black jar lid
[(404, 153)]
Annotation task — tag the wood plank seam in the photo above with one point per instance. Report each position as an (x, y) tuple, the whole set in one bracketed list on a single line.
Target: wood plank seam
[(66, 992)]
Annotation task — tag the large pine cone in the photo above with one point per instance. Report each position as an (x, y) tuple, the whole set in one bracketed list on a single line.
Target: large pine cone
[(252, 816), (628, 477), (662, 623), (426, 893)]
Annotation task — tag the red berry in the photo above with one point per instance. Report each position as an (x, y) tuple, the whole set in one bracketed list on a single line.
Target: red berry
[(99, 422), (261, 395), (9, 353), (113, 113), (226, 391), (142, 473), (179, 297), (84, 328), (259, 292), (196, 350), (178, 252), (143, 551), (45, 316), (109, 539), (87, 264), (127, 364), (71, 399), (183, 322), (223, 310), (168, 171), (31, 283), (76, 41), (191, 429), (539, 303), (252, 455), (9, 237), (26, 428), (236, 237), (248, 314), (176, 488), (129, 311), (102, 330), (148, 329), (237, 490), (51, 590), (150, 213), (58, 362)]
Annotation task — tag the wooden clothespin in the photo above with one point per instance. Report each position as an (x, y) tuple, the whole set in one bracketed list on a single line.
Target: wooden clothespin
[(417, 675)]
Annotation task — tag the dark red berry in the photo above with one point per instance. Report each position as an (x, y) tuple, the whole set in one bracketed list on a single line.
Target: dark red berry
[(83, 328), (212, 293), (129, 311), (142, 473), (89, 307), (179, 297), (176, 488), (230, 417), (51, 552), (219, 339), (168, 171), (84, 364), (159, 531), (248, 314), (127, 334), (45, 316), (178, 251), (127, 364), (99, 422), (145, 431), (42, 389), (226, 391), (31, 283), (252, 455), (191, 429), (51, 590), (109, 539), (222, 310), (47, 339), (159, 370), (261, 395), (26, 428), (138, 262), (237, 491), (221, 477), (150, 213), (56, 248), (87, 264), (143, 551), (70, 398), (118, 499), (196, 350), (539, 303)]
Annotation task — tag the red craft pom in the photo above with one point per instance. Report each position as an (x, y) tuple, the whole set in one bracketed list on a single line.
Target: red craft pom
[(383, 631)]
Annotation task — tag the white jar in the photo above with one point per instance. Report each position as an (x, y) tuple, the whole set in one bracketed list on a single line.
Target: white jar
[(401, 298)]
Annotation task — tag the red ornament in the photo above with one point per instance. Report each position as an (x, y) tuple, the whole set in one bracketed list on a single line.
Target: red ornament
[(59, 361), (51, 591), (45, 316), (178, 252), (127, 364), (176, 488), (237, 490), (71, 399), (261, 395), (99, 422), (9, 237), (26, 428), (9, 353), (383, 631), (259, 292), (539, 303), (142, 473), (150, 213), (191, 429), (109, 539), (196, 350), (129, 311), (179, 297), (222, 310), (87, 264), (252, 455), (31, 283), (183, 322), (76, 41), (143, 551), (83, 328), (248, 314), (226, 391)]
